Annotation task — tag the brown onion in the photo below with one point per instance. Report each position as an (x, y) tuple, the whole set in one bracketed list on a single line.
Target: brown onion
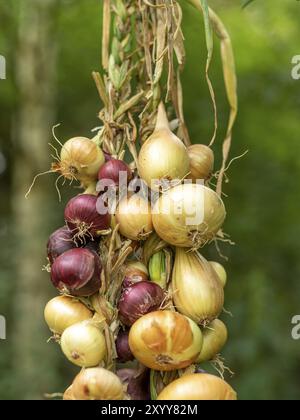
[(215, 336), (221, 272), (201, 162)]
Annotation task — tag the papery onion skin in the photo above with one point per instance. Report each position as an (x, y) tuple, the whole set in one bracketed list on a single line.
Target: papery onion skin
[(198, 386), (81, 159), (188, 215), (214, 339), (138, 300), (77, 272), (97, 384), (64, 311), (112, 170), (59, 242), (122, 346), (163, 157), (221, 272), (82, 217), (135, 272), (198, 292), (83, 344), (165, 341), (134, 218), (201, 162)]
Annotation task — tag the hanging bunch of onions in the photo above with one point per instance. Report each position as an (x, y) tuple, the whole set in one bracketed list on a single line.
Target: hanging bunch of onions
[(221, 272), (197, 290), (163, 157), (64, 311), (134, 218), (84, 344), (215, 336), (97, 384), (201, 162), (188, 215), (198, 386), (165, 340), (80, 159)]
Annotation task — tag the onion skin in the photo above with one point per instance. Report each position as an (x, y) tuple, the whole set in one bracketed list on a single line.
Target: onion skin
[(82, 217), (134, 217), (214, 339), (138, 300), (135, 272), (198, 386), (97, 384), (68, 394), (59, 242), (197, 214), (112, 169), (63, 311), (83, 344), (81, 159), (198, 292), (201, 162), (122, 347), (165, 341), (221, 272), (77, 272), (163, 157)]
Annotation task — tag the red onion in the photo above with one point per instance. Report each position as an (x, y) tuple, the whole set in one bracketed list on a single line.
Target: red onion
[(107, 156), (138, 384), (59, 242), (83, 217), (77, 272), (138, 300), (123, 349), (112, 171)]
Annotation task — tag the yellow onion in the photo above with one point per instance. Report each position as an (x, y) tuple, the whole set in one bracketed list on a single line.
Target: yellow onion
[(97, 384), (197, 290), (165, 340), (84, 344), (134, 217), (220, 270), (135, 271), (163, 157), (81, 159), (215, 336), (198, 386), (188, 215), (201, 162), (68, 394), (63, 311)]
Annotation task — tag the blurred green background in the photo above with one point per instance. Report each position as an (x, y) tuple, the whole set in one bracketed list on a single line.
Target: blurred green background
[(51, 48)]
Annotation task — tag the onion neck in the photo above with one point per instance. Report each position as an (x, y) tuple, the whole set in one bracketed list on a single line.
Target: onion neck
[(162, 122)]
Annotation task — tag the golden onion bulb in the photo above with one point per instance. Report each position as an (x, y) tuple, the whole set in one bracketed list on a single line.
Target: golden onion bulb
[(198, 386), (68, 394), (188, 215), (197, 290), (165, 340), (97, 384), (81, 158), (201, 162), (84, 344), (215, 336), (163, 157), (220, 270), (64, 311), (134, 218)]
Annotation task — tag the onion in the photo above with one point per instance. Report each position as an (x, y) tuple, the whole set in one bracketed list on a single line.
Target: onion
[(214, 339), (83, 218), (163, 157), (135, 272), (80, 159), (165, 340), (201, 162), (107, 156), (114, 172), (137, 383), (198, 386), (138, 300), (63, 311), (59, 242), (220, 270), (197, 290), (68, 394), (122, 347), (97, 384), (134, 218), (188, 215), (83, 344), (77, 272)]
